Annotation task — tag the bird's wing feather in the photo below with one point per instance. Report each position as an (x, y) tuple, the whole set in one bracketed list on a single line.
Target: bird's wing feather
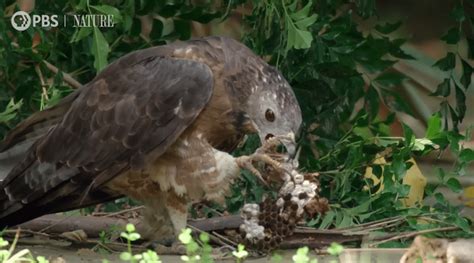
[(134, 108)]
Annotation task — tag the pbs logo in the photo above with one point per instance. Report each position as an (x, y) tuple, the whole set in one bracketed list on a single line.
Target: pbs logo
[(21, 20)]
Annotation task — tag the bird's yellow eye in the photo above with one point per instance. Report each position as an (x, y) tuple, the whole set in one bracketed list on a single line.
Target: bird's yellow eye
[(269, 115)]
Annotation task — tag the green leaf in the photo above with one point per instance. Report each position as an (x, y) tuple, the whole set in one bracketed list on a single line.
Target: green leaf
[(299, 39), (434, 126), (452, 36), (388, 28), (460, 102), (335, 249), (373, 102), (443, 89), (366, 8), (462, 223), (420, 144), (458, 13), (133, 236), (3, 243), (301, 255), (306, 22), (130, 228), (108, 10), (408, 135), (125, 256), (390, 79), (446, 63), (100, 50), (440, 199), (454, 185), (11, 111), (204, 237), (467, 71), (302, 13), (440, 174), (466, 155), (297, 24), (470, 47), (185, 236), (328, 219), (241, 252), (399, 167), (394, 101), (81, 33)]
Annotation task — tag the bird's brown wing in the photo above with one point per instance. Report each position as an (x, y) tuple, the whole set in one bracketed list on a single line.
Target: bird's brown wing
[(136, 107)]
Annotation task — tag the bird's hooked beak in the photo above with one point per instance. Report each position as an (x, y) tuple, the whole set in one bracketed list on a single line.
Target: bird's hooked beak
[(290, 144)]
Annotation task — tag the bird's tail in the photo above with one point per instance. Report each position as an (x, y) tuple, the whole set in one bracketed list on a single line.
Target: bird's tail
[(15, 148)]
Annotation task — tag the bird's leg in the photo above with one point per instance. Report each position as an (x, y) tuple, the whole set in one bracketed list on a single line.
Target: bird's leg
[(165, 217), (178, 212)]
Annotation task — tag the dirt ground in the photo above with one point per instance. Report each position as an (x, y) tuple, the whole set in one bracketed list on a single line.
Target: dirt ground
[(72, 255)]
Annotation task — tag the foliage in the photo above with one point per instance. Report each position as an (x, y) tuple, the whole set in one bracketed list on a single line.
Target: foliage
[(194, 251), (301, 256), (83, 51), (146, 257), (7, 255), (197, 250), (331, 61), (346, 64)]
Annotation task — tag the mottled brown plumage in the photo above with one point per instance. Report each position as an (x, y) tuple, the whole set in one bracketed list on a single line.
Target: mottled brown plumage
[(155, 125)]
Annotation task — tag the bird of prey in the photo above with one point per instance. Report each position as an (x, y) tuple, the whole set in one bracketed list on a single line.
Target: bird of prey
[(156, 125)]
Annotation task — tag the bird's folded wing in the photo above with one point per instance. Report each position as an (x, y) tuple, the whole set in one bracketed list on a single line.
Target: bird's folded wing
[(138, 105)]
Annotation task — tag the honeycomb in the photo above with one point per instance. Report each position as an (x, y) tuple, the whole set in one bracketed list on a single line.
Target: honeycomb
[(267, 224)]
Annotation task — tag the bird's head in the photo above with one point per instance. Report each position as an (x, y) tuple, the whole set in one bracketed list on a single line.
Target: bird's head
[(274, 110)]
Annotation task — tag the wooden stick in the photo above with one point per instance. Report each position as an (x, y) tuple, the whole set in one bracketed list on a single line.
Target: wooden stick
[(93, 226), (414, 233)]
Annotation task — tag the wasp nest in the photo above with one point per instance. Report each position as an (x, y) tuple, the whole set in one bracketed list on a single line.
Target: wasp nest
[(268, 223)]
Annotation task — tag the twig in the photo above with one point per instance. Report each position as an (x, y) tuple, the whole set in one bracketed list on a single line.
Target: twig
[(43, 83), (376, 222), (212, 237), (124, 211), (100, 244), (66, 77), (414, 233), (26, 231), (224, 238)]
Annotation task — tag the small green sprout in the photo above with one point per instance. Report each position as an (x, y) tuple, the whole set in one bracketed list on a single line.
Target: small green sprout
[(3, 242), (130, 235), (41, 259), (185, 236), (192, 247), (335, 249), (240, 253), (187, 258), (301, 255), (150, 257), (147, 257)]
